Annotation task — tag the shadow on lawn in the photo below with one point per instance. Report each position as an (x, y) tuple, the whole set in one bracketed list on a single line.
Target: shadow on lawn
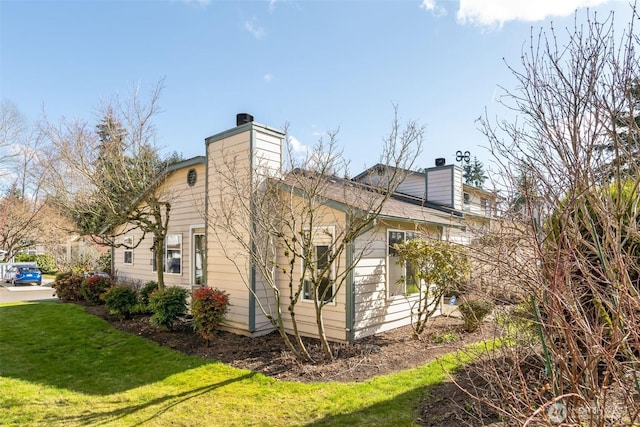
[(388, 412), (62, 346), (163, 404)]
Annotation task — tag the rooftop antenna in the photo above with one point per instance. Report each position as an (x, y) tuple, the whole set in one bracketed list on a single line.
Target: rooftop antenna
[(460, 157)]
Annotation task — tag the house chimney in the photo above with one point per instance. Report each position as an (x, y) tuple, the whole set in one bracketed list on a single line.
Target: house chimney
[(243, 118), (441, 161)]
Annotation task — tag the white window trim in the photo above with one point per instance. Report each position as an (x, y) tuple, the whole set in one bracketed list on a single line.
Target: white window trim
[(181, 255), (194, 257), (164, 266), (332, 232)]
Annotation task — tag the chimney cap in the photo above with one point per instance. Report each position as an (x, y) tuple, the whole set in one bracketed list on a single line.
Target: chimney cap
[(441, 161), (242, 118)]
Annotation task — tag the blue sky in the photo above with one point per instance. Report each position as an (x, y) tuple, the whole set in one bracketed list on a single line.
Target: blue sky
[(318, 65)]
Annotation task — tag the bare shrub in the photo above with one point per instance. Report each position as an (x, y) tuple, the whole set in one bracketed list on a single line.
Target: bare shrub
[(570, 243)]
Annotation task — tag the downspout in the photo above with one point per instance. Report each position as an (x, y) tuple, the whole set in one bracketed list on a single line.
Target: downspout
[(252, 268), (350, 296), (113, 262), (205, 267)]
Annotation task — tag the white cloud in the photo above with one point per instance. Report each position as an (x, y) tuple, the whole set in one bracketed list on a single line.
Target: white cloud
[(297, 146), (254, 28), (494, 13), (198, 3), (428, 4), (432, 7), (267, 77)]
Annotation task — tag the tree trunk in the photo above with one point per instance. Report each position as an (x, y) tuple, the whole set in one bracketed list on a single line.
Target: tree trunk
[(159, 258), (324, 343)]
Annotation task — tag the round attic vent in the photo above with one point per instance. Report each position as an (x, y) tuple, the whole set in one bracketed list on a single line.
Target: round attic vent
[(192, 176)]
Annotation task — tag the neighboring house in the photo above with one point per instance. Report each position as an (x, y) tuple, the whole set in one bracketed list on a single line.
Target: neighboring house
[(376, 296), (183, 185)]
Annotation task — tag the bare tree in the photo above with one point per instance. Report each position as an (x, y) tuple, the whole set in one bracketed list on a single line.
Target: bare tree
[(12, 130), (108, 179), (572, 246), (295, 240), (26, 216)]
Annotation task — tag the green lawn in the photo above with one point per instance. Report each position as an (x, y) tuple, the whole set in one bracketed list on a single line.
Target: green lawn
[(60, 366)]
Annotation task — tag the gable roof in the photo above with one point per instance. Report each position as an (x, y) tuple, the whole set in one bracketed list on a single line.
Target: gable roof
[(197, 160), (380, 166), (347, 195)]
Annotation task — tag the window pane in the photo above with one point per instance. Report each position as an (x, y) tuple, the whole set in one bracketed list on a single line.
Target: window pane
[(173, 258), (411, 287), (198, 258), (325, 290), (322, 257), (395, 237), (128, 257), (396, 277), (306, 291), (320, 274), (400, 276)]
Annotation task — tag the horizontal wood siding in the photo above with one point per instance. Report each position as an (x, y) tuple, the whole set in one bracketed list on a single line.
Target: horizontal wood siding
[(228, 264), (439, 186), (374, 312), (187, 211), (334, 314), (267, 149), (413, 185), (240, 154), (458, 199)]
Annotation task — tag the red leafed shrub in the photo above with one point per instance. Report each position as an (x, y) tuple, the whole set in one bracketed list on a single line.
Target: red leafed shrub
[(67, 286), (93, 289), (208, 307)]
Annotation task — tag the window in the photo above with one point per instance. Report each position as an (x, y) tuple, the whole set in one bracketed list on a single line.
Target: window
[(198, 262), (128, 250), (399, 276), (320, 271), (192, 177), (172, 255), (485, 206)]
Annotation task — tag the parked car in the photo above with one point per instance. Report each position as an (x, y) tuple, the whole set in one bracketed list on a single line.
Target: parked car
[(96, 273), (12, 269), (25, 274)]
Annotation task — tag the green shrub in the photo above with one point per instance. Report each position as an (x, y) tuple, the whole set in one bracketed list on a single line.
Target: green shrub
[(45, 263), (208, 307), (474, 312), (140, 308), (121, 300), (93, 289), (104, 262), (167, 304), (67, 286), (146, 291)]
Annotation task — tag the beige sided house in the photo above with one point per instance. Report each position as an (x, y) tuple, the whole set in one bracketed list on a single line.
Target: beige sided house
[(183, 184), (375, 297)]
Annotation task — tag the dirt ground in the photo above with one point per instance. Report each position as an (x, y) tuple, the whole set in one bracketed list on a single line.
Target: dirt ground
[(376, 355)]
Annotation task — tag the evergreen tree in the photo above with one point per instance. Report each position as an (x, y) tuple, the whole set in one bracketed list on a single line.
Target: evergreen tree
[(623, 146), (473, 173)]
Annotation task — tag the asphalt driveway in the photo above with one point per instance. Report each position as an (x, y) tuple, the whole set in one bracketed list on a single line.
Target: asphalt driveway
[(9, 293)]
